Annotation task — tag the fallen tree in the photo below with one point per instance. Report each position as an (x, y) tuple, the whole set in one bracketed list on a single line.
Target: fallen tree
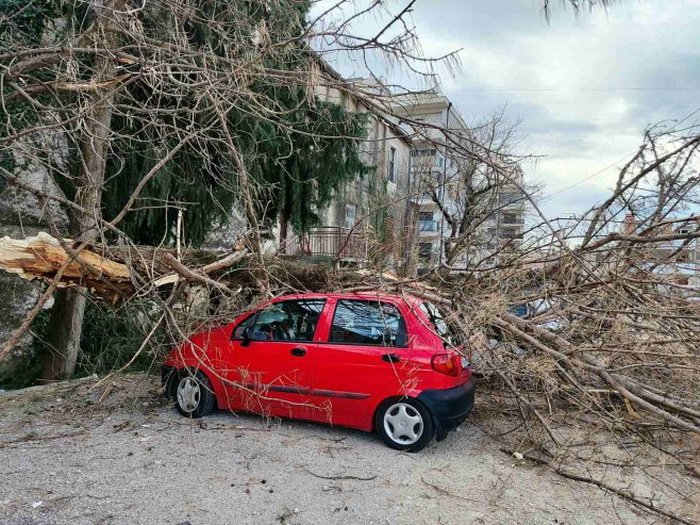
[(582, 377), (43, 257), (611, 347), (604, 345)]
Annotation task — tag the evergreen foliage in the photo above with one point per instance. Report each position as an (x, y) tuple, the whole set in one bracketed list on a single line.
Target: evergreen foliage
[(26, 21), (297, 149), (110, 340)]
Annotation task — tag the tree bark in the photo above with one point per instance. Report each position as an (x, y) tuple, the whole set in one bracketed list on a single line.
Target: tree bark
[(65, 330), (66, 324), (65, 327)]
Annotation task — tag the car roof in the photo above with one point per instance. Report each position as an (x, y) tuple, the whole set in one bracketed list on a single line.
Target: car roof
[(376, 295)]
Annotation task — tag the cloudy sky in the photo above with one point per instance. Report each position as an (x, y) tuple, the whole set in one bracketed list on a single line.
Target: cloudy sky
[(585, 88)]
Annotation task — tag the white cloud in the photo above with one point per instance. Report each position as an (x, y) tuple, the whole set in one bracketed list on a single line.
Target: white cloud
[(564, 78)]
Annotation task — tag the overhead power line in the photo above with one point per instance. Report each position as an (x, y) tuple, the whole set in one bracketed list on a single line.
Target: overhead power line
[(589, 177), (579, 89)]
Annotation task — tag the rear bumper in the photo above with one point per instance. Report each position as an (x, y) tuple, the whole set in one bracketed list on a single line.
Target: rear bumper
[(450, 407)]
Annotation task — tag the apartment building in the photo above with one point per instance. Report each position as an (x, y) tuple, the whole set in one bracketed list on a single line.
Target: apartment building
[(432, 176), (398, 214), (677, 260), (437, 191), (366, 220), (505, 225)]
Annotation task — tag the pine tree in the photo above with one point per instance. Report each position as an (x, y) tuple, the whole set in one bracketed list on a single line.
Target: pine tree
[(221, 86)]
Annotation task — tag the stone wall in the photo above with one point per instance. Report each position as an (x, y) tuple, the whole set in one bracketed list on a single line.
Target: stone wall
[(22, 214)]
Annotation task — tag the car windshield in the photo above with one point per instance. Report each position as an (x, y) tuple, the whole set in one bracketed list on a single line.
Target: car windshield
[(448, 334)]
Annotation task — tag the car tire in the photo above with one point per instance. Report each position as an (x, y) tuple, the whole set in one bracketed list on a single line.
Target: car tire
[(404, 424), (194, 396)]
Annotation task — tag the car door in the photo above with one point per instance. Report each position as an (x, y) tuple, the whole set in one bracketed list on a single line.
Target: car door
[(269, 368), (361, 359)]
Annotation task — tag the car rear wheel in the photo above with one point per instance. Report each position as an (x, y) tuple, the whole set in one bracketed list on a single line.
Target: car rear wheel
[(194, 396), (404, 424)]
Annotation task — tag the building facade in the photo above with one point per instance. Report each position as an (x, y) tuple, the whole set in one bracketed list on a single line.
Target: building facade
[(407, 213), (444, 186), (676, 260), (366, 220)]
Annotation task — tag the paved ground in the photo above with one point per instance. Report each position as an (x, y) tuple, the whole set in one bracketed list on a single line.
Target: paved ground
[(131, 459)]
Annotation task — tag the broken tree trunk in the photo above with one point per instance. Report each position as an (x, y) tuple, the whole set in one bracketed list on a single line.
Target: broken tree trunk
[(103, 271), (109, 273), (43, 256), (65, 329)]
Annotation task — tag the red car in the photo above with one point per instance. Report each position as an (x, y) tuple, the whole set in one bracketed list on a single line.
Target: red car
[(364, 360)]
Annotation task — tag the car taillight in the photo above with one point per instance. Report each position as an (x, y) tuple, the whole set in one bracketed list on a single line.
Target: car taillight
[(450, 365)]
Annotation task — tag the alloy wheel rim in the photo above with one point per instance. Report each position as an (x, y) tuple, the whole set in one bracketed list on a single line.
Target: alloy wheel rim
[(188, 394), (403, 423)]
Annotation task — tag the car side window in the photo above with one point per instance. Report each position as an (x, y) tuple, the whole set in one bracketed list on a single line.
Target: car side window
[(237, 334), (368, 323), (284, 321), (448, 334)]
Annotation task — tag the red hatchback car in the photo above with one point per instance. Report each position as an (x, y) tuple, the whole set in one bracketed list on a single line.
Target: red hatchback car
[(364, 360)]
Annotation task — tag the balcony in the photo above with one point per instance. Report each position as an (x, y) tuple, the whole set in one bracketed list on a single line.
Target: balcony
[(329, 241), (511, 233), (509, 200)]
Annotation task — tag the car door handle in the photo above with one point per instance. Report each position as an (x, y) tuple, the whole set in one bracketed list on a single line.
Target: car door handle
[(391, 358), (298, 352)]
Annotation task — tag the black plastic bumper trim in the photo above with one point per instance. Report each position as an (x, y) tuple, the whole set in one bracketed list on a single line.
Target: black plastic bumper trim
[(449, 407)]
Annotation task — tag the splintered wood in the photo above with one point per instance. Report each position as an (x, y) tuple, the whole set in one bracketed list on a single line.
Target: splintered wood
[(44, 257), (111, 273)]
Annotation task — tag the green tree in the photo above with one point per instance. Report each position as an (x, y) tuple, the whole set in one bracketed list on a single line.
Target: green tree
[(199, 105)]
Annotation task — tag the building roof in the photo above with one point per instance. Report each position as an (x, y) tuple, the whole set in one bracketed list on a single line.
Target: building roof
[(374, 87), (417, 104)]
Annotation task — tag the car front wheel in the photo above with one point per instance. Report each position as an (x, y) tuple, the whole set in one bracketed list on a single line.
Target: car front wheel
[(194, 396), (404, 424)]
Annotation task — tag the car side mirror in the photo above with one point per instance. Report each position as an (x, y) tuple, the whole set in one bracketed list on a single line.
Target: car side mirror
[(247, 336)]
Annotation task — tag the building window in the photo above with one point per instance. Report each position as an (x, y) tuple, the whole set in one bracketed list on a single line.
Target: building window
[(391, 174), (425, 251), (511, 233), (350, 215), (426, 222), (507, 198), (510, 218), (430, 152)]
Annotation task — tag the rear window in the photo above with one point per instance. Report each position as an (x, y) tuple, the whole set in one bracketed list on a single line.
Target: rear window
[(448, 334), (368, 323)]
